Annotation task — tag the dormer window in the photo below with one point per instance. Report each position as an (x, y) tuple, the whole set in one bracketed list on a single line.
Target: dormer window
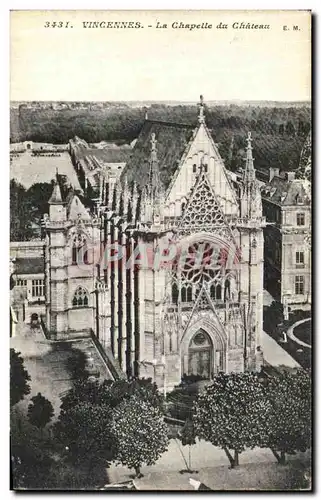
[(299, 200)]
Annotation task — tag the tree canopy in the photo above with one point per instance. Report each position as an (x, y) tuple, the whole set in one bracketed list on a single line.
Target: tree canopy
[(40, 411), (19, 378), (85, 430), (140, 433), (279, 132), (111, 393), (231, 413), (288, 422), (21, 213)]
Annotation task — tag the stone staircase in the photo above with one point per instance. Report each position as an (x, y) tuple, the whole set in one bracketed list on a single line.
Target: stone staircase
[(95, 365), (99, 363)]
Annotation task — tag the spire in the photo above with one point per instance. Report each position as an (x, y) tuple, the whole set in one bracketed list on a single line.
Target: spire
[(126, 194), (56, 198), (249, 172), (154, 181), (119, 197), (134, 191), (201, 118), (251, 204), (134, 200)]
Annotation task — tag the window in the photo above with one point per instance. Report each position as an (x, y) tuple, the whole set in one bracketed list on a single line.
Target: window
[(174, 293), (38, 288), (21, 283), (216, 292), (187, 294), (194, 168), (79, 250), (299, 259), (300, 219), (299, 285), (205, 168), (80, 298)]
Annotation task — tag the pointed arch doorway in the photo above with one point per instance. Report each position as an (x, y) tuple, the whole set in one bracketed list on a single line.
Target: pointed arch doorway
[(200, 355)]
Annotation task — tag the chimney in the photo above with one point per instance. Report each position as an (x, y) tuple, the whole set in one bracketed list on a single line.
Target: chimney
[(290, 176), (274, 172)]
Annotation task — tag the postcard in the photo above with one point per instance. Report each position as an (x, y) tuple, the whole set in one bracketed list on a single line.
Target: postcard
[(160, 250)]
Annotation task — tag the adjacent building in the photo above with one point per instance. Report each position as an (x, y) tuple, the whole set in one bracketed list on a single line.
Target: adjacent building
[(287, 248), (28, 277)]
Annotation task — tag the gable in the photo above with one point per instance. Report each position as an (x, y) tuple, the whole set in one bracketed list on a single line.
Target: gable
[(203, 211), (76, 210), (203, 303), (202, 149)]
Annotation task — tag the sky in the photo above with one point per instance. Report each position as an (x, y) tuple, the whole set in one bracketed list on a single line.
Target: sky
[(160, 64)]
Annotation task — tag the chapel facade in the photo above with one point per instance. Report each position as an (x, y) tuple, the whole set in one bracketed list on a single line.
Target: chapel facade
[(168, 273)]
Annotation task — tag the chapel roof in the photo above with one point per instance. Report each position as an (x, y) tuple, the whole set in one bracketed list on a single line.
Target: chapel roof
[(172, 139)]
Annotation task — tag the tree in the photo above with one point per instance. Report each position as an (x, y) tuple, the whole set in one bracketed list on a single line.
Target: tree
[(187, 438), (143, 388), (288, 422), (38, 195), (40, 411), (21, 213), (112, 393), (85, 430), (140, 433), (19, 378), (273, 316), (231, 413), (77, 365)]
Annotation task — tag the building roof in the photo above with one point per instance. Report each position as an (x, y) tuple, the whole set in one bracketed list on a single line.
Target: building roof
[(29, 265), (56, 198), (286, 192), (76, 209), (101, 153), (172, 139), (108, 154)]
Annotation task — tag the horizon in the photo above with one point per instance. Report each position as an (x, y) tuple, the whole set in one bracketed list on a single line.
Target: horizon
[(305, 101)]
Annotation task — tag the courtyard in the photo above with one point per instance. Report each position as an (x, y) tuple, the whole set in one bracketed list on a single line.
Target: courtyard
[(28, 169)]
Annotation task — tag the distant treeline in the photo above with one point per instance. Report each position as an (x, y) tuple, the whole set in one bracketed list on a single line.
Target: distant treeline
[(278, 132)]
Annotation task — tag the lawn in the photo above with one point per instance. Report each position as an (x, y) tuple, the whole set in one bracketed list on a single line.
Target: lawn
[(29, 170), (303, 332), (274, 324)]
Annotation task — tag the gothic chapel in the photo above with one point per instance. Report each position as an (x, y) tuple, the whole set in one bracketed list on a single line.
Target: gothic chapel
[(178, 285)]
